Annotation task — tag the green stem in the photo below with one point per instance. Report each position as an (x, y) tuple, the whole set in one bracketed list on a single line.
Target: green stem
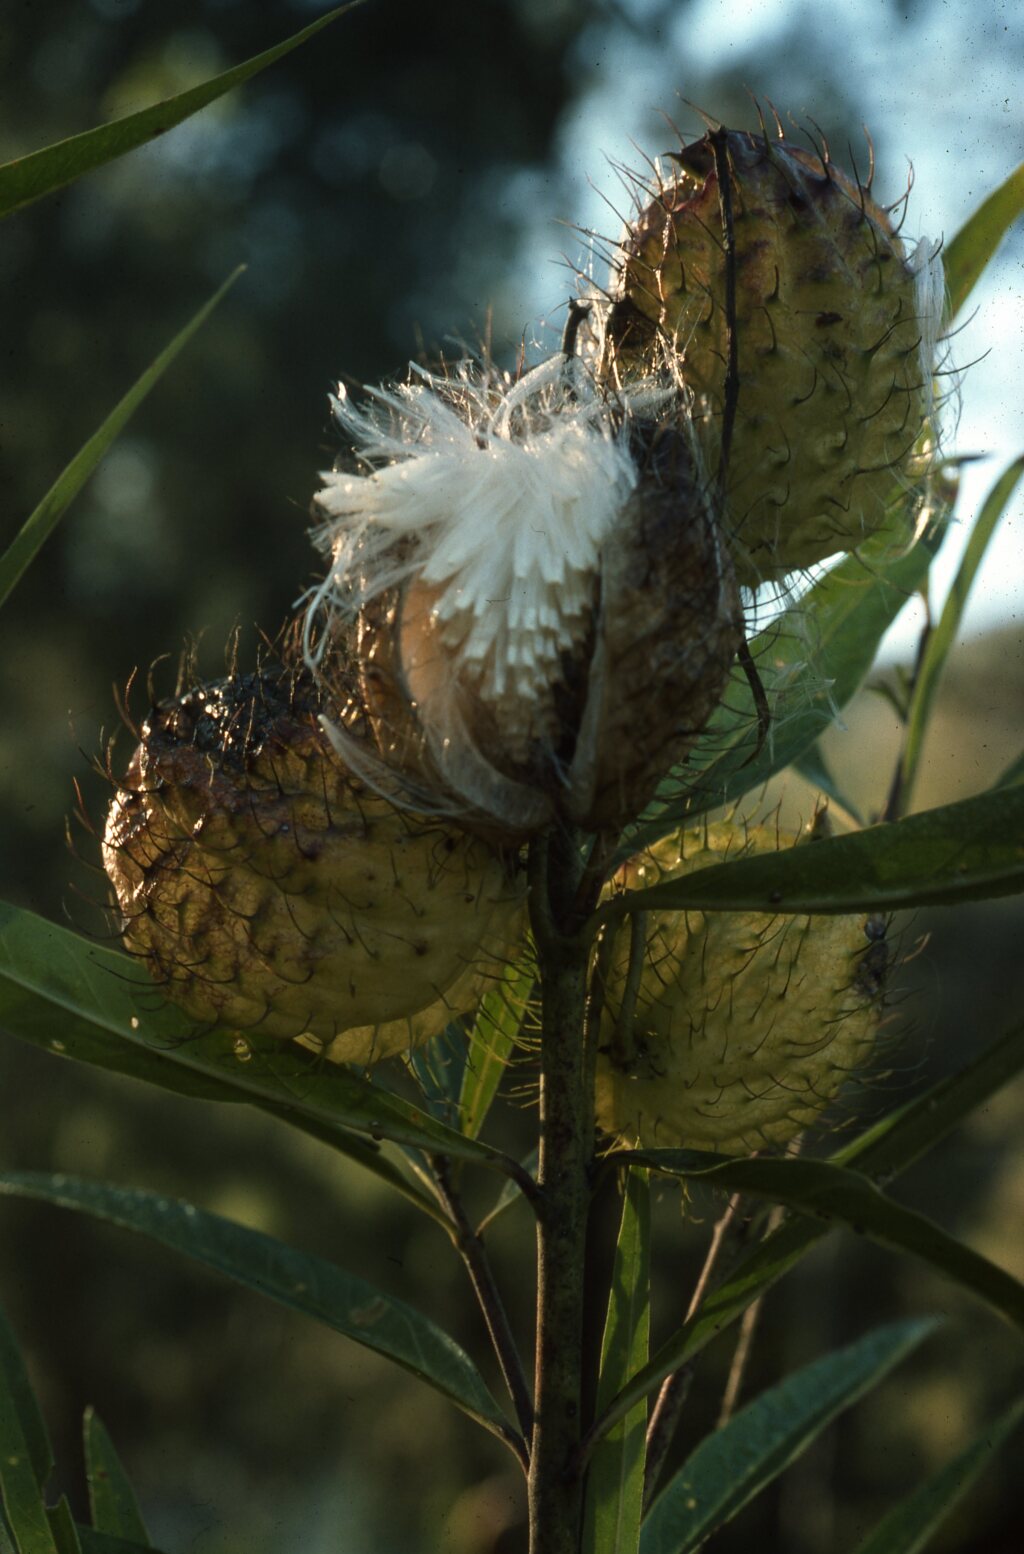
[(566, 1157)]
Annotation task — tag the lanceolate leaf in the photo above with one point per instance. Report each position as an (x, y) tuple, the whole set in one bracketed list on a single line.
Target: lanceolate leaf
[(112, 1502), (63, 1528), (943, 638), (615, 1480), (967, 256), (810, 661), (40, 524), (80, 1000), (882, 1152), (19, 1490), (910, 1526), (437, 1068), (299, 1280), (836, 1193), (899, 1139), (734, 1464), (41, 172), (497, 1025), (967, 851), (26, 1462), (14, 1381)]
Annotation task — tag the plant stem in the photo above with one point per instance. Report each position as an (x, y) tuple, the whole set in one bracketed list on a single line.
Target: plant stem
[(566, 1155), (898, 795), (745, 1341), (473, 1253), (675, 1389)]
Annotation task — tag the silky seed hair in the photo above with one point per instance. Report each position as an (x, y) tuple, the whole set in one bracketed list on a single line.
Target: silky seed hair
[(544, 459)]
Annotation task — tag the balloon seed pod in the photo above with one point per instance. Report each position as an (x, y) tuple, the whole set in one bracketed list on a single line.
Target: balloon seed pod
[(744, 1026), (793, 312), (529, 578), (267, 890)]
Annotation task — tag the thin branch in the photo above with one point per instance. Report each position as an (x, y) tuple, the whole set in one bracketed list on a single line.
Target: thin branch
[(675, 1389), (894, 804), (471, 1249), (744, 1343)]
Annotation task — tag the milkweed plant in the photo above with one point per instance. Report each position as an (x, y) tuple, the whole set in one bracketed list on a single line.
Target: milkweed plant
[(492, 802)]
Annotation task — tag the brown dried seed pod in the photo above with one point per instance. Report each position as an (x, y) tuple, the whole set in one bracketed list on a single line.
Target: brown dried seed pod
[(833, 324), (745, 1026), (543, 615), (266, 889), (666, 634)]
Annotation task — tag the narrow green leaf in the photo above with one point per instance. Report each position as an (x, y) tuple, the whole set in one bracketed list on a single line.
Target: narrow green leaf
[(79, 1000), (14, 1381), (836, 1193), (890, 1146), (615, 1479), (40, 524), (943, 638), (910, 1525), (734, 1464), (967, 256), (968, 851), (53, 981), (298, 1280), (19, 1491), (811, 661), (900, 1139), (491, 1040), (6, 1546), (41, 172), (438, 1068), (112, 1503), (62, 1526)]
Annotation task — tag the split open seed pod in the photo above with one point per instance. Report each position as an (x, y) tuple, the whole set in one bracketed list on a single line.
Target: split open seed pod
[(761, 248), (529, 579), (267, 890), (744, 1027)]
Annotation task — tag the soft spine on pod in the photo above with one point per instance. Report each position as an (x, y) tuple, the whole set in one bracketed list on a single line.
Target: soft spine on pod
[(833, 326)]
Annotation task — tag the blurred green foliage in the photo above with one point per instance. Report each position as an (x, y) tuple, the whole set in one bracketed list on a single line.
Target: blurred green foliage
[(386, 187)]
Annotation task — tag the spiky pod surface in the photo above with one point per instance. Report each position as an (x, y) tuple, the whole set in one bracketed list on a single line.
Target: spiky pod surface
[(834, 326), (266, 890), (542, 613), (745, 1026)]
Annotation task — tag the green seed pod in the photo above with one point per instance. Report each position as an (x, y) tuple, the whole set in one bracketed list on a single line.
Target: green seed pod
[(797, 270), (744, 1025), (265, 889)]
